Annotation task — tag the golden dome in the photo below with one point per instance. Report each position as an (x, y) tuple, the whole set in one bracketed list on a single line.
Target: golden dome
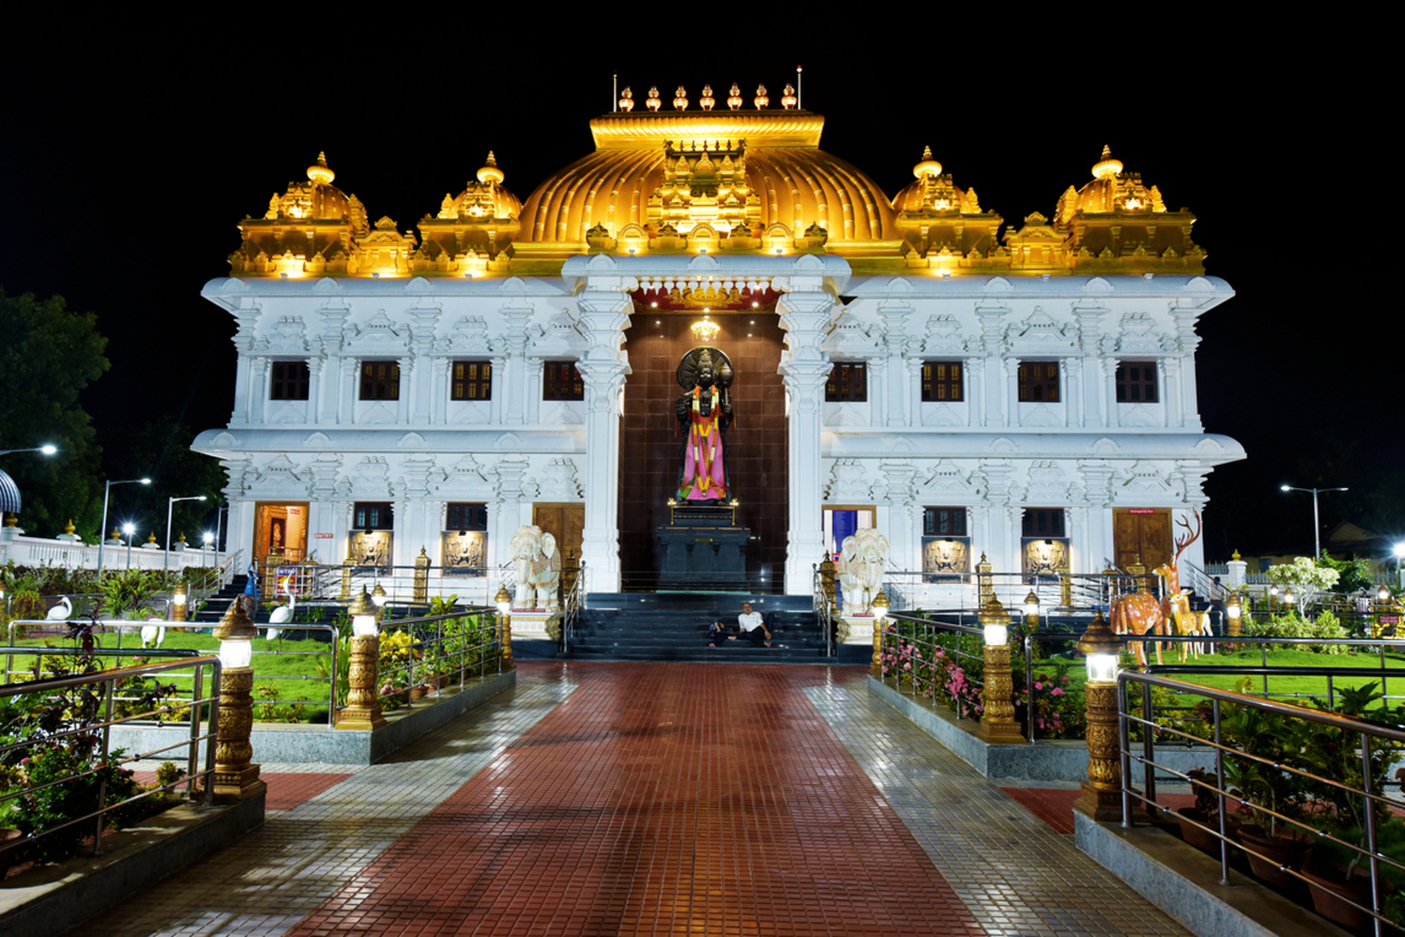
[(318, 171), (928, 166), (490, 171), (1107, 165), (724, 169)]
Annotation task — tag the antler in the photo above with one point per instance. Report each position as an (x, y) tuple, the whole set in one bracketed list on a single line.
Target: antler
[(1183, 542)]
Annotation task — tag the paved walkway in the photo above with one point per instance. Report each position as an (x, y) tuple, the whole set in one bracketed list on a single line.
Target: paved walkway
[(650, 799)]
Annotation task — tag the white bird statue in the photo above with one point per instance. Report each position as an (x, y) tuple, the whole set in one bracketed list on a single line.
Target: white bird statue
[(62, 611), (152, 635), (281, 616)]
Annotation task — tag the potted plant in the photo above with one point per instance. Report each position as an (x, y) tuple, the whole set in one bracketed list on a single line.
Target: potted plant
[(1268, 794)]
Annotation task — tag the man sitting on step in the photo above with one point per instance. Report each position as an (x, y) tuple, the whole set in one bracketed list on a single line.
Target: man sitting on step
[(753, 628)]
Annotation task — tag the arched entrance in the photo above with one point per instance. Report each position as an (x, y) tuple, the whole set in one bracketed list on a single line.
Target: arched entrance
[(649, 441)]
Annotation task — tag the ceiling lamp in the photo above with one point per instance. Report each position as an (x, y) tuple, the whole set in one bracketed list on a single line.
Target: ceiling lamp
[(706, 330)]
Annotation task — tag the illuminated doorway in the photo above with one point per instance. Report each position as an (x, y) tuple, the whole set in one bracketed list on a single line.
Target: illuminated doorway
[(280, 532)]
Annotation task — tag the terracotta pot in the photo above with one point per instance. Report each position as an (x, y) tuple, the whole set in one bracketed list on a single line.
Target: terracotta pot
[(8, 857), (418, 692), (1332, 896), (1187, 817), (1287, 849)]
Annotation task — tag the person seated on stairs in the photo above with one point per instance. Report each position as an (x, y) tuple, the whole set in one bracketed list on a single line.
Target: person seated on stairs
[(719, 634), (752, 627)]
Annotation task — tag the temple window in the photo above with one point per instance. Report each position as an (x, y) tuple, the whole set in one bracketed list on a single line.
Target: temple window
[(1136, 382), (380, 380), (471, 380), (942, 382), (561, 381), (1043, 522), (289, 380), (373, 515), (848, 383), (466, 516), (1039, 382), (943, 522)]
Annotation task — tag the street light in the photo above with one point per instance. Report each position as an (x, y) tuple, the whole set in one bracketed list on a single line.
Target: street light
[(1316, 524), (102, 531), (170, 506), (47, 449), (130, 530), (1399, 551), (9, 492)]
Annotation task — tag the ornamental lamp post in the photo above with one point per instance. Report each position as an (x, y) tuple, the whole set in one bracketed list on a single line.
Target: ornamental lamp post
[(1102, 792), (236, 777), (1234, 612), (503, 600), (363, 702), (1383, 594), (130, 530), (998, 717), (880, 614), (1399, 551), (178, 600), (1031, 610), (379, 597)]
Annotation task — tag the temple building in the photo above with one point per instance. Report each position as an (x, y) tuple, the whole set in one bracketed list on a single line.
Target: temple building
[(909, 362)]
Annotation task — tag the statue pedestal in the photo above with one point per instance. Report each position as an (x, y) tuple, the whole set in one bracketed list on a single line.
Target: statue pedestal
[(860, 629), (536, 624), (703, 549)]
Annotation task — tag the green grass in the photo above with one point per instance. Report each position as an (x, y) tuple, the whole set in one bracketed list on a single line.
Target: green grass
[(1291, 688), (288, 670)]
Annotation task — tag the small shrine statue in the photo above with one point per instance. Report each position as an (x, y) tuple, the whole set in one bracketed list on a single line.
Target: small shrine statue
[(862, 561), (704, 413)]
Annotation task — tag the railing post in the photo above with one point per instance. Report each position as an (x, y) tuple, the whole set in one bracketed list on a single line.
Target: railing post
[(504, 603), (998, 717), (421, 590), (363, 702), (236, 777), (880, 615), (1102, 792), (984, 585)]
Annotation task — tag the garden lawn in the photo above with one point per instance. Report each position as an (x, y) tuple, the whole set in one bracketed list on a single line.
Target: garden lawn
[(1299, 689), (289, 668)]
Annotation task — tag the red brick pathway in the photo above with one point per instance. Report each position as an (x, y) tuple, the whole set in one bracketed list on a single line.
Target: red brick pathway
[(286, 791), (638, 808)]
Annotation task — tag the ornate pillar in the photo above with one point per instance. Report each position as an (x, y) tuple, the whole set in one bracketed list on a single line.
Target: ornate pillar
[(604, 310), (914, 392), (497, 390), (804, 315), (347, 390), (1188, 399), (408, 371), (1168, 376), (256, 391), (422, 344), (511, 380), (1010, 402), (898, 390)]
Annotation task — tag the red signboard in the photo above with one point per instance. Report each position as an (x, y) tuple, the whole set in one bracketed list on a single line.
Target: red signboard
[(322, 536), (1141, 511)]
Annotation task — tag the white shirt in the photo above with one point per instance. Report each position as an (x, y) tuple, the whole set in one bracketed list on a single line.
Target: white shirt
[(749, 621)]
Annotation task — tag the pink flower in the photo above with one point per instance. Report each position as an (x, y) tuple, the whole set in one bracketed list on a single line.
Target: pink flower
[(1039, 686), (1057, 692)]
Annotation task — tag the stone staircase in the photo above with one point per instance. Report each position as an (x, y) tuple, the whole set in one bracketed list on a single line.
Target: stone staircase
[(672, 626)]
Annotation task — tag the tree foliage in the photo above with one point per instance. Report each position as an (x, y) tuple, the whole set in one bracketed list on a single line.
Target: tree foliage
[(48, 355)]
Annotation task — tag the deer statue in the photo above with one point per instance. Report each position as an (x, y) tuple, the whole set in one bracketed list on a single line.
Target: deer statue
[(1175, 607), (1139, 614)]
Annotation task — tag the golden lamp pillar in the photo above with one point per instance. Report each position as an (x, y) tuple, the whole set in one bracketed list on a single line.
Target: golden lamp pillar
[(363, 702), (179, 597), (880, 615), (998, 725), (1102, 791), (235, 777), (827, 578), (504, 602)]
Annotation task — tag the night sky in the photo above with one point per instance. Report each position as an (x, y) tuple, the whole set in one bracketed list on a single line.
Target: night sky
[(125, 167)]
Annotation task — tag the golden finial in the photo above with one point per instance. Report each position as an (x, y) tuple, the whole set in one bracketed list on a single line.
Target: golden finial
[(1235, 557), (653, 103), (627, 100), (318, 171), (490, 171), (152, 537), (181, 538), (1107, 165), (928, 166), (734, 100), (68, 528), (762, 102), (680, 99), (116, 534), (707, 100), (789, 100)]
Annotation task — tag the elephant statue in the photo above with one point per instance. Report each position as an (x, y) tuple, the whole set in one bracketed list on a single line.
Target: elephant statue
[(538, 566), (862, 560)]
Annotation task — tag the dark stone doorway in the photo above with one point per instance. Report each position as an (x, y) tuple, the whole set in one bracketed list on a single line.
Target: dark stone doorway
[(757, 445)]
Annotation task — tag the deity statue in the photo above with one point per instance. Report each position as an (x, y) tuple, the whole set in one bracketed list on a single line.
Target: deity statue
[(704, 413)]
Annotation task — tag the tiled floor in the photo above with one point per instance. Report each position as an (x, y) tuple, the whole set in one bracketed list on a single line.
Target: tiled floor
[(650, 799)]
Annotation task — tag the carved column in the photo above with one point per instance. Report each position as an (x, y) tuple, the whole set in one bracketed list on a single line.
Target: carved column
[(514, 381), (1169, 380), (347, 392), (898, 394), (408, 371), (256, 392), (604, 315), (804, 314), (913, 390), (1010, 398)]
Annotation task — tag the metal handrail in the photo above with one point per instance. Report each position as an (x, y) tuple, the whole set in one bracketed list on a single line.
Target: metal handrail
[(572, 603), (386, 676), (1364, 730), (890, 636), (110, 680)]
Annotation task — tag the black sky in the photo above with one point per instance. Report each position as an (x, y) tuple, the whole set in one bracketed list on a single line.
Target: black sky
[(128, 159)]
